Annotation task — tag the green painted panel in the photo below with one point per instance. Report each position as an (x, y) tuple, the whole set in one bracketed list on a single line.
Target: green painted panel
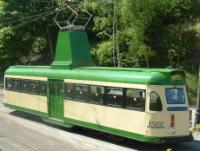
[(56, 99), (121, 75), (72, 50)]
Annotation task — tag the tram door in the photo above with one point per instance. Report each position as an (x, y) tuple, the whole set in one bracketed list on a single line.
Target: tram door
[(56, 99)]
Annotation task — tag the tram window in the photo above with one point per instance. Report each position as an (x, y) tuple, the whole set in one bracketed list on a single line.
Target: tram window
[(43, 86), (8, 84), (96, 94), (81, 92), (59, 87), (135, 99), (35, 87), (69, 90), (25, 85), (114, 97), (51, 88), (16, 85), (155, 102), (175, 95)]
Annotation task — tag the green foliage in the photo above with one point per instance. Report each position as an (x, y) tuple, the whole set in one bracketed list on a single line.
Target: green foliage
[(172, 34), (39, 44), (197, 128), (147, 32), (20, 37), (132, 20), (103, 52), (192, 86)]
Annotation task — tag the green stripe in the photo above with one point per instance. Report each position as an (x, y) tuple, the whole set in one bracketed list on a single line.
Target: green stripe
[(68, 122), (88, 125), (118, 132)]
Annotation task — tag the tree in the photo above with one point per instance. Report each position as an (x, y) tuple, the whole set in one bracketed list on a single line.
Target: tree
[(132, 19), (23, 32)]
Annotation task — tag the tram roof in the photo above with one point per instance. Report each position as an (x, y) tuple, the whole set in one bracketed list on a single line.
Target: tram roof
[(161, 76)]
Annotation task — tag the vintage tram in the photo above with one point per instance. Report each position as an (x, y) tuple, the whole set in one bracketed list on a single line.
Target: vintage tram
[(148, 105)]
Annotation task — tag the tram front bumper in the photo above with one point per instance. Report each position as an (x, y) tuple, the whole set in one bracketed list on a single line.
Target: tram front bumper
[(177, 139)]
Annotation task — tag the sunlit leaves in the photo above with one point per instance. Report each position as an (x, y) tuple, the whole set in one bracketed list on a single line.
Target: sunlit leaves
[(39, 44)]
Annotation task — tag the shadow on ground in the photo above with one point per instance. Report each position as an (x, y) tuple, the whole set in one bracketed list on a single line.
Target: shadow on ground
[(113, 139)]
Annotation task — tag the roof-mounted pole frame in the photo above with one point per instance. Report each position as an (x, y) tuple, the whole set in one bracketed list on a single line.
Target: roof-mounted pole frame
[(78, 20)]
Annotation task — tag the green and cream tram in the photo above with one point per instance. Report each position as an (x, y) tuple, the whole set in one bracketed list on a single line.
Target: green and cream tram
[(148, 105)]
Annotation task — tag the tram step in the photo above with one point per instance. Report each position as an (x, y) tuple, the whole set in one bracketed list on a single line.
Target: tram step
[(57, 122)]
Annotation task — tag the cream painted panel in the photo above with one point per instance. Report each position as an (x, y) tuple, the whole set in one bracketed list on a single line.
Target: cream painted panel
[(27, 77), (124, 85), (69, 109), (128, 120), (43, 104), (181, 117), (30, 102), (90, 113), (38, 103), (9, 97), (181, 124), (161, 92)]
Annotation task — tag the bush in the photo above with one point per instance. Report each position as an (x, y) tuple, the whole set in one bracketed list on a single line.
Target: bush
[(192, 86), (197, 128)]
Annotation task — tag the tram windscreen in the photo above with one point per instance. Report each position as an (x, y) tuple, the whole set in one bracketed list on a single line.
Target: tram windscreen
[(175, 95)]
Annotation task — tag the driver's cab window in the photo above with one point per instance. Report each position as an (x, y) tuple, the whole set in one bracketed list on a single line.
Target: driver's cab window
[(155, 102)]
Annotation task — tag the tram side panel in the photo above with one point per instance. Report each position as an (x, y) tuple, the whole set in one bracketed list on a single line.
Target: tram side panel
[(84, 104), (113, 115), (69, 109), (126, 120), (24, 92), (126, 108)]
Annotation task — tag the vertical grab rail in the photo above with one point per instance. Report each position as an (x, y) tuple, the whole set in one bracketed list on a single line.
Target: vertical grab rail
[(197, 118)]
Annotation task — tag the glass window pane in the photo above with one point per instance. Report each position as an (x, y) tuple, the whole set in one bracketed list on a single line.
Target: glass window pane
[(43, 90), (8, 83), (25, 85), (114, 96), (51, 88), (175, 95), (69, 91), (135, 99), (16, 85), (59, 85), (155, 102), (96, 94), (35, 87), (81, 92)]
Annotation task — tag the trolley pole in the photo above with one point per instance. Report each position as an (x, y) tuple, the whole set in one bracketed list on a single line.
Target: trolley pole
[(197, 119)]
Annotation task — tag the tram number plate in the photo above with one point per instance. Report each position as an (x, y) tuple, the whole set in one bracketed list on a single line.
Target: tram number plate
[(156, 125)]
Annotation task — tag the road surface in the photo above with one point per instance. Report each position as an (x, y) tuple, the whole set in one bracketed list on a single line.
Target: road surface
[(23, 132)]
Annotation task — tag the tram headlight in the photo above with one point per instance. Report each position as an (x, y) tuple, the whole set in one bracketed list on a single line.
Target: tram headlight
[(172, 130)]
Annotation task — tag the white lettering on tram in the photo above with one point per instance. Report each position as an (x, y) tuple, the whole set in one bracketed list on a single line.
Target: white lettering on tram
[(156, 125)]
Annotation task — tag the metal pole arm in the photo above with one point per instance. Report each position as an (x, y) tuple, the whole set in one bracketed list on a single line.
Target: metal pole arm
[(197, 119)]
